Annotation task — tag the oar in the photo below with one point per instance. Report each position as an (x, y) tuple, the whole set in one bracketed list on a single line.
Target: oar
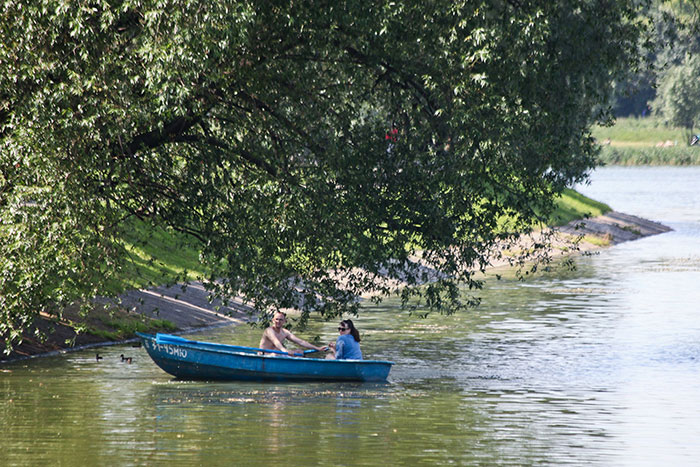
[(285, 353), (169, 338)]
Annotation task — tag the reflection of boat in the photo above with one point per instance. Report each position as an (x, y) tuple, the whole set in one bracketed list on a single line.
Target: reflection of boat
[(187, 359)]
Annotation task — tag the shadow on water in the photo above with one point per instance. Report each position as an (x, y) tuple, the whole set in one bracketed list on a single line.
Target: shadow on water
[(596, 366)]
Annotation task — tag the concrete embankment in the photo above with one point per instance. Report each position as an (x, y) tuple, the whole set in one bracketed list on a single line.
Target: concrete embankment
[(615, 227), (189, 308)]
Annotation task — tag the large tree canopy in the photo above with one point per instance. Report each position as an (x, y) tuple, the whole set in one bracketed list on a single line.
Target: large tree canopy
[(311, 147)]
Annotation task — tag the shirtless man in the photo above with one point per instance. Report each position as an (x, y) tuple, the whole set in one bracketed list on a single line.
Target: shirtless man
[(273, 338)]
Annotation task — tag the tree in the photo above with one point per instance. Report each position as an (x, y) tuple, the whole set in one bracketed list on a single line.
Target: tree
[(259, 128), (678, 90), (678, 98)]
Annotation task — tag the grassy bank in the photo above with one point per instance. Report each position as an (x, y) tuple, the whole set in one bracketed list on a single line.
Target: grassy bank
[(162, 256), (573, 205), (645, 141), (639, 132), (156, 257)]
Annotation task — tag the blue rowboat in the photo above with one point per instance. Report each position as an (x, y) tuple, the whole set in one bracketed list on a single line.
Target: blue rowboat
[(188, 359)]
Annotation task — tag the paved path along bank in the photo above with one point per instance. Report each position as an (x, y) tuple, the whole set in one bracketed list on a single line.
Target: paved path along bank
[(187, 308), (190, 308)]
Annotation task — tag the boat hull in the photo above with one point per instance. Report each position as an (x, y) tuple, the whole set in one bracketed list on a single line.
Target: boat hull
[(187, 359)]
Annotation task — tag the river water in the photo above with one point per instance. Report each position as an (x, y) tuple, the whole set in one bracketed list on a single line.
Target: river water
[(595, 366)]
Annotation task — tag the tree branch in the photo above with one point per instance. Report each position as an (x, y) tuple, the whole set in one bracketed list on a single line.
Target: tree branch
[(169, 133)]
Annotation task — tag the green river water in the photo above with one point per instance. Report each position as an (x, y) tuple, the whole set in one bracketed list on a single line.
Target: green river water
[(596, 366)]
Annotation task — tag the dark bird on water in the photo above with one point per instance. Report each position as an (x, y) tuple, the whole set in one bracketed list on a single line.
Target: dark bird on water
[(126, 359), (98, 357)]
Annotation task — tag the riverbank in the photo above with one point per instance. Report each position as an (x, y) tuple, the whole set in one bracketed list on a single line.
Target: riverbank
[(187, 309), (172, 309)]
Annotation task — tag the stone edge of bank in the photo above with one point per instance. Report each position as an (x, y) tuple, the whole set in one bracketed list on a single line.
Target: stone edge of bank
[(189, 308)]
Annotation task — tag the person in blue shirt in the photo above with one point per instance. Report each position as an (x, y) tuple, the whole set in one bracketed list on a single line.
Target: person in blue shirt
[(347, 346)]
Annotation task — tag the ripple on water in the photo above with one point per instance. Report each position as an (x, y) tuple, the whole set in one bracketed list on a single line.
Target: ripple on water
[(597, 366)]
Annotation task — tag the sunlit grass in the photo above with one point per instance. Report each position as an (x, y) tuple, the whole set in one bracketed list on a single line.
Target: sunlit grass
[(645, 141), (573, 205), (157, 256), (632, 144), (648, 130), (122, 328)]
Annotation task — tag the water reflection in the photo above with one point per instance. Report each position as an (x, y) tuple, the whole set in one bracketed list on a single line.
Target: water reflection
[(596, 366)]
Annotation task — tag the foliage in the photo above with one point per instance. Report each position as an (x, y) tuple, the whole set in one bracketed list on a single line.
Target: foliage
[(678, 96), (676, 26), (675, 36), (302, 145), (677, 23)]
